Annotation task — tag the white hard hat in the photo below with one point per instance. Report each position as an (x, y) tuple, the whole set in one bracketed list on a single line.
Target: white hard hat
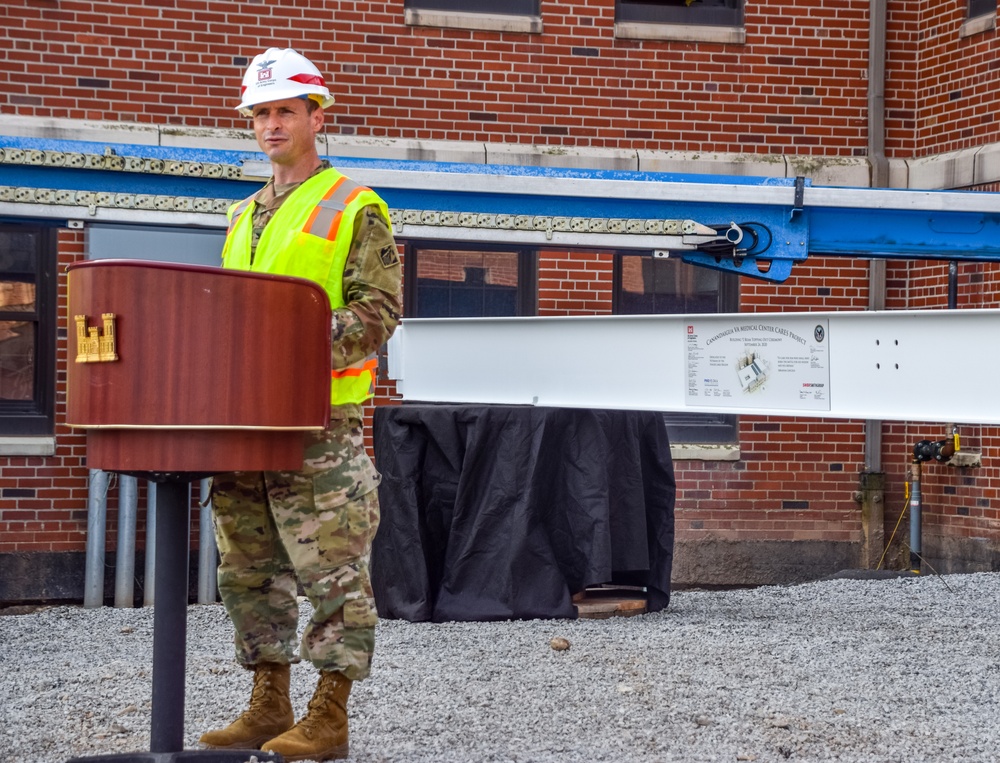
[(279, 73)]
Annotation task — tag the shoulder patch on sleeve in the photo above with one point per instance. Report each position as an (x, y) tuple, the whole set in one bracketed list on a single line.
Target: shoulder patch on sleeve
[(389, 256)]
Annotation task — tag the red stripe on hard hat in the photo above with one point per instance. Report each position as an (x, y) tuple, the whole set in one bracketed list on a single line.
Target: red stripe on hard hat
[(308, 79)]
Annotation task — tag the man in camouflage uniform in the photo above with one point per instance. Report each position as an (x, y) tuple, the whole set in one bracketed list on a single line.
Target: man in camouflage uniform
[(314, 527)]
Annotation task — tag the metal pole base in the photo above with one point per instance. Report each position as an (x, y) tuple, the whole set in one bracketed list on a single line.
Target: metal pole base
[(185, 756)]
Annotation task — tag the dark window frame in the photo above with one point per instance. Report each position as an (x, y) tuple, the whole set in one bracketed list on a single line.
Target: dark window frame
[(527, 270), (37, 416), (977, 8), (724, 13), (693, 427)]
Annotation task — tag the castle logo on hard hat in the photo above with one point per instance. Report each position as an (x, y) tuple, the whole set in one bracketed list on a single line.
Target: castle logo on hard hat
[(264, 71)]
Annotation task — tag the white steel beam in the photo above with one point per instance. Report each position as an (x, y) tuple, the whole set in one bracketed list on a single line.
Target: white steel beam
[(925, 365)]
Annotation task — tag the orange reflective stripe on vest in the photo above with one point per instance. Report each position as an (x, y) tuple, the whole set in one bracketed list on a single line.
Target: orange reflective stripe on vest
[(325, 218), (238, 210), (355, 379)]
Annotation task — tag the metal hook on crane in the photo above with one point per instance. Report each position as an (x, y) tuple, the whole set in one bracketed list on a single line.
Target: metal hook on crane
[(736, 241)]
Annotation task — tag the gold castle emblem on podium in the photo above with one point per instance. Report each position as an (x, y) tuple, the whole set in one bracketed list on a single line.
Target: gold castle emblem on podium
[(91, 345)]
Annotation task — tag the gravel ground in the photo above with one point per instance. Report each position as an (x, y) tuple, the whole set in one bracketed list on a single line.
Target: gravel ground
[(902, 669)]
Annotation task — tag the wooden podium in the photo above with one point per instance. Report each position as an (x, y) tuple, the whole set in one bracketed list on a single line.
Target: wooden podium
[(177, 372)]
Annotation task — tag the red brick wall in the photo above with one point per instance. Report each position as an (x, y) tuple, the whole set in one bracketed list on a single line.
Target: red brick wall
[(798, 85), (574, 284), (819, 283), (762, 495), (956, 502), (962, 503), (952, 104), (43, 500)]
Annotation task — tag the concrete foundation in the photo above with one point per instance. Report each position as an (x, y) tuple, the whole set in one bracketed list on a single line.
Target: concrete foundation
[(59, 577), (751, 563)]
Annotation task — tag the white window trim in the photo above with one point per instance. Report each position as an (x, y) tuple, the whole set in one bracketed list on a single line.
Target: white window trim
[(483, 21), (642, 30)]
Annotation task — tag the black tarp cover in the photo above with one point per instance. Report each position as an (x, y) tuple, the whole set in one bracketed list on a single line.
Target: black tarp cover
[(504, 512)]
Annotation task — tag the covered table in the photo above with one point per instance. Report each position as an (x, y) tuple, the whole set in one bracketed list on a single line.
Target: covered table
[(506, 512)]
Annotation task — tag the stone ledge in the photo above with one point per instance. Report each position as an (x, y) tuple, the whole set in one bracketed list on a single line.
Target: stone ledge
[(713, 163), (525, 155), (965, 459), (464, 152), (956, 169), (79, 129), (640, 30), (978, 25), (27, 446), (488, 22), (689, 452)]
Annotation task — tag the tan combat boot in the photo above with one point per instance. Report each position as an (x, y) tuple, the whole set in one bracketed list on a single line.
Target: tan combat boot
[(270, 712), (322, 734)]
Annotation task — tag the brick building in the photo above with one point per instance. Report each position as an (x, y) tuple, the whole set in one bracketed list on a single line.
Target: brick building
[(118, 133)]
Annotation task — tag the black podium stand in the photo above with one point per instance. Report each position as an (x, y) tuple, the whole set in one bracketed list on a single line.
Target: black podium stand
[(166, 735)]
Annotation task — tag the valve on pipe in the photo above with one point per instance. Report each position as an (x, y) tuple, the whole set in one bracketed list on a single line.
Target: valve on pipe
[(928, 450)]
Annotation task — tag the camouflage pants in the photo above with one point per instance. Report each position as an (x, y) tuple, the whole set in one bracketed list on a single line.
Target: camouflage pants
[(315, 527)]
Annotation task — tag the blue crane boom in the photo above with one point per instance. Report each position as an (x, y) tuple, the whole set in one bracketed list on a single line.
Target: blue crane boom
[(757, 227)]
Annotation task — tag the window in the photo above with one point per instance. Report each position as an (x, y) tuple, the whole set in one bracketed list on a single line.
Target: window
[(981, 8), (700, 12), (192, 246), (469, 282), (27, 329), (982, 17), (647, 286)]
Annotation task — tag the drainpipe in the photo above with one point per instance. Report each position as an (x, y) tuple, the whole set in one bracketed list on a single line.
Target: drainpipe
[(208, 562), (97, 511), (872, 483), (916, 512), (876, 94), (149, 576), (128, 504)]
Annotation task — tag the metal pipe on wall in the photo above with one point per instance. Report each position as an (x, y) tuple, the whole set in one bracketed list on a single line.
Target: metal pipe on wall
[(207, 556), (128, 502), (99, 484), (916, 539), (97, 509), (149, 575), (876, 93), (879, 179)]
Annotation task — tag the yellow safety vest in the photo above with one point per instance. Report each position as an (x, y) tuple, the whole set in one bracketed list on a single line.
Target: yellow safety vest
[(310, 236)]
